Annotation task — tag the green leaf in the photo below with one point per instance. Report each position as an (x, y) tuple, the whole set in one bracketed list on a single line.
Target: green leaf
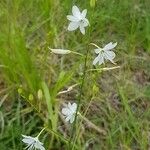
[(48, 100), (63, 79)]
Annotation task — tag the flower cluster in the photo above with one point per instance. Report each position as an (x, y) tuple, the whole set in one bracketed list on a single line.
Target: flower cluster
[(77, 20)]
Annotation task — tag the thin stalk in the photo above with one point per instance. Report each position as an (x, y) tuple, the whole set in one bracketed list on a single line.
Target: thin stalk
[(92, 125), (95, 45), (104, 69), (77, 53), (40, 132), (80, 95)]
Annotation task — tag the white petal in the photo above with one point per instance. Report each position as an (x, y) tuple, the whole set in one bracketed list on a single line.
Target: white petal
[(69, 105), (109, 55), (72, 18), (76, 11), (110, 46), (68, 118), (72, 119), (28, 139), (60, 51), (73, 26), (82, 29), (74, 107), (25, 136), (84, 12), (69, 111), (99, 59), (31, 147), (65, 111), (39, 146), (97, 50), (85, 22), (95, 60)]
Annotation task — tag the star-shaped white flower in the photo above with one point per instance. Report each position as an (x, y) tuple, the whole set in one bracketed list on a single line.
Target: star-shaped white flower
[(69, 112), (32, 143), (104, 53), (78, 20)]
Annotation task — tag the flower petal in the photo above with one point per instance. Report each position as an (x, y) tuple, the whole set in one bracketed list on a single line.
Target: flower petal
[(101, 59), (38, 145), (84, 12), (25, 136), (69, 112), (82, 29), (68, 118), (30, 147), (96, 60), (65, 111), (109, 55), (76, 12), (32, 143), (28, 139), (85, 22), (72, 118), (73, 26), (109, 46), (72, 18), (69, 105), (74, 107)]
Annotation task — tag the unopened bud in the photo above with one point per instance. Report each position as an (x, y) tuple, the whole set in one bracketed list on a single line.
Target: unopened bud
[(20, 90), (40, 94), (31, 97)]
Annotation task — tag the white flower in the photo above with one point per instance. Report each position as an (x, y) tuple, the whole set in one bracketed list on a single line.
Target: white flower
[(32, 143), (60, 51), (78, 20), (104, 53), (69, 111)]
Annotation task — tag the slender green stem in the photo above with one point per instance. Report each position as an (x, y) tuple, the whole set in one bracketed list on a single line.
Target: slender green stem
[(40, 132), (80, 95), (77, 53), (92, 125), (95, 45), (104, 69)]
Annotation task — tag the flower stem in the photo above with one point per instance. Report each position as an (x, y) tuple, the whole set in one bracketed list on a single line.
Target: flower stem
[(41, 132), (92, 125), (104, 69), (95, 45), (77, 53), (80, 95)]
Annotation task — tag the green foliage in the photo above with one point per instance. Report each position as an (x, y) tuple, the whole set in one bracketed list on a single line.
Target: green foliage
[(117, 100)]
